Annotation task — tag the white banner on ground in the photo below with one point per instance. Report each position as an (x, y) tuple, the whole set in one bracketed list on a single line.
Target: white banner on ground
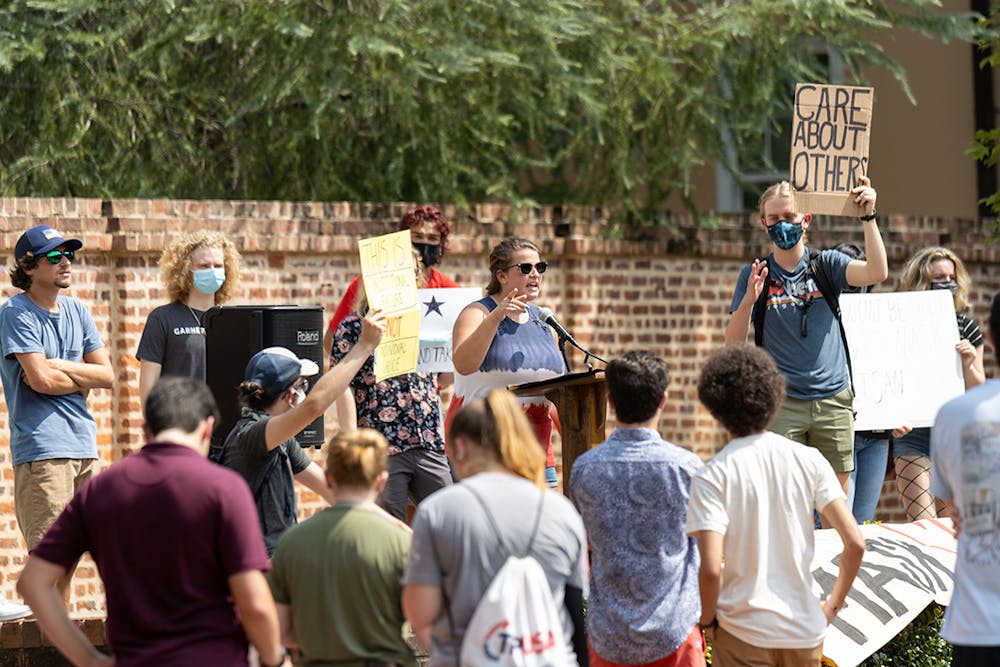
[(906, 567), (438, 309), (903, 356)]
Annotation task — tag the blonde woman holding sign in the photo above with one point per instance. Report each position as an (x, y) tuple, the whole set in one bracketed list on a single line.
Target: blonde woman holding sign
[(935, 268)]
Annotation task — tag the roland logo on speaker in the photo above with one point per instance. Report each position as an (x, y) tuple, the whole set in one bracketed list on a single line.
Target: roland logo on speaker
[(307, 336)]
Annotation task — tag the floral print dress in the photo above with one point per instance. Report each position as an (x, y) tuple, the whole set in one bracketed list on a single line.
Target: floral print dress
[(405, 409)]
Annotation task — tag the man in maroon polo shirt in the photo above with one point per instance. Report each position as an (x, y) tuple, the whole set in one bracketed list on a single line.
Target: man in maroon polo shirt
[(178, 545)]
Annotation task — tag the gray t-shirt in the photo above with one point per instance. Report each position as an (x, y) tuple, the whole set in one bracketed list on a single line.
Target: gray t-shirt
[(815, 365), (174, 338), (455, 547), (270, 474)]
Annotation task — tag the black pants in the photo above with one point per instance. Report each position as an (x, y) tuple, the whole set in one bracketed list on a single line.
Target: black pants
[(975, 656)]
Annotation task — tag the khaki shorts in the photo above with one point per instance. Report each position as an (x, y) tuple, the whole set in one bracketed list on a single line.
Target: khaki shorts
[(728, 651), (42, 489), (826, 424)]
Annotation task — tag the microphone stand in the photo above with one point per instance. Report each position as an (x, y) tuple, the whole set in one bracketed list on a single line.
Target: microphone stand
[(587, 354), (562, 348)]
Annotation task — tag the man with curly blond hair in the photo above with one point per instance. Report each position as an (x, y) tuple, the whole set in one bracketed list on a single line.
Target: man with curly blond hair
[(200, 270)]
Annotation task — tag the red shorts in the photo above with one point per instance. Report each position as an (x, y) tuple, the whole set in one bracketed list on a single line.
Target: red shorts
[(689, 654)]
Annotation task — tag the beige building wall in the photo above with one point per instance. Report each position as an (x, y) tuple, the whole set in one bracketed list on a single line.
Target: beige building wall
[(918, 160)]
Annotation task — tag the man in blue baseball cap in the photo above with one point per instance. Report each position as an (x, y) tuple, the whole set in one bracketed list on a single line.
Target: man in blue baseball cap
[(52, 356)]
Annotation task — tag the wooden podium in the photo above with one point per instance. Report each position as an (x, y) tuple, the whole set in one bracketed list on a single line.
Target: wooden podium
[(581, 401)]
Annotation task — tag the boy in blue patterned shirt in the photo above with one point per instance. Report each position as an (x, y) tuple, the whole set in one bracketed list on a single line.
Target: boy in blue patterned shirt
[(632, 492)]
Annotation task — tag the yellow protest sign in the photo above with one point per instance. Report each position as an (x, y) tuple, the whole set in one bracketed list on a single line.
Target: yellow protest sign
[(831, 129), (390, 283)]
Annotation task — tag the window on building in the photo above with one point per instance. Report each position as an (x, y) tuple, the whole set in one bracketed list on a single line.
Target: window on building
[(762, 159)]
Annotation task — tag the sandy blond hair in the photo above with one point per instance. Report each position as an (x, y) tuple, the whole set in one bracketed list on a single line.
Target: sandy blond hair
[(917, 274), (357, 459), (498, 427)]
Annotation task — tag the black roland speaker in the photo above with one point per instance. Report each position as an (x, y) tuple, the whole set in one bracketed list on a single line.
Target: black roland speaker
[(233, 334)]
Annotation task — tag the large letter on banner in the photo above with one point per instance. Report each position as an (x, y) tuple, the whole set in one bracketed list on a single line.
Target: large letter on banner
[(906, 567)]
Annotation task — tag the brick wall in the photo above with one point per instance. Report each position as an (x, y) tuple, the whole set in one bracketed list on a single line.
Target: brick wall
[(665, 290)]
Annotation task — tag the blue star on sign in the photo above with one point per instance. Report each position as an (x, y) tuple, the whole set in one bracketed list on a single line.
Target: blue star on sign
[(433, 306)]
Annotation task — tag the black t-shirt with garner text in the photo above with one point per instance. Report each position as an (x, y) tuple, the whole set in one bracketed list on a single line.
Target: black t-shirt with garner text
[(174, 338)]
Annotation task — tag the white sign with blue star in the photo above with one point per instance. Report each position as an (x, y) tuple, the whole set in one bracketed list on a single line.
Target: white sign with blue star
[(439, 308)]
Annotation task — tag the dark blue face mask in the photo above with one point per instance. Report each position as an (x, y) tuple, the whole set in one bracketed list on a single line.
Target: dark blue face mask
[(785, 234), (950, 286)]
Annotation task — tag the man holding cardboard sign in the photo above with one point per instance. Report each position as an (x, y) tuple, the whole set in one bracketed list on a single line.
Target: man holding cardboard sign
[(800, 329)]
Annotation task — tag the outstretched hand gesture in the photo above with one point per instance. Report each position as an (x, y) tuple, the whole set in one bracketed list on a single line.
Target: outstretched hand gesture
[(512, 305), (757, 279)]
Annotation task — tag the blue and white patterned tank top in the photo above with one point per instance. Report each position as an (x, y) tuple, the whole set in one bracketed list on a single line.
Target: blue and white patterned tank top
[(519, 353)]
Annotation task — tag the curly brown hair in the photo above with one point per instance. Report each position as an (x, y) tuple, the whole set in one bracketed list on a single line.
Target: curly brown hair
[(742, 387), (175, 264)]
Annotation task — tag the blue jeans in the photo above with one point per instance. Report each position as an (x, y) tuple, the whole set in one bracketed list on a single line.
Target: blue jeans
[(871, 455), (550, 476)]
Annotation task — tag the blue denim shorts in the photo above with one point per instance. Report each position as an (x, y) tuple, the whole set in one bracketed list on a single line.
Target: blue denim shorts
[(915, 443)]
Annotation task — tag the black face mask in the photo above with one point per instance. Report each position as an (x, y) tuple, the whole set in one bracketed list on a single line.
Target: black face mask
[(430, 253), (951, 286)]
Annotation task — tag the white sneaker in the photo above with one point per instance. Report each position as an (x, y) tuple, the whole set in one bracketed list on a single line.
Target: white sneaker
[(10, 611)]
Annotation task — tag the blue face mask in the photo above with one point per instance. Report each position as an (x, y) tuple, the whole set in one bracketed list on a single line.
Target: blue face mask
[(950, 286), (785, 234), (208, 281)]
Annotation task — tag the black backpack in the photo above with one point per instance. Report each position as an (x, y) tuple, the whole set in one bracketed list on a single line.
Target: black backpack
[(826, 288)]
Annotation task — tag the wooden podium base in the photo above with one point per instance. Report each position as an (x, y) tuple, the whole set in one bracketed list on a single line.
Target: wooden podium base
[(581, 401)]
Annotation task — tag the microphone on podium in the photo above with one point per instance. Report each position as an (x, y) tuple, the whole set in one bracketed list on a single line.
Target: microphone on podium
[(549, 318), (565, 336)]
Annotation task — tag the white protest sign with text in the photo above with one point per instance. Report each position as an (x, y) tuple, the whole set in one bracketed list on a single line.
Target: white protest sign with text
[(906, 567), (438, 308), (903, 356), (831, 130)]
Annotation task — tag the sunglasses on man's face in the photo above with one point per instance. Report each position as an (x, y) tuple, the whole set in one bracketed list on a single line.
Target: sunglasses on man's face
[(525, 267), (55, 256)]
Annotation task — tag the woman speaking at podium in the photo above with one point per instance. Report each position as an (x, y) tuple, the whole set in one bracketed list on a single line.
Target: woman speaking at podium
[(500, 340)]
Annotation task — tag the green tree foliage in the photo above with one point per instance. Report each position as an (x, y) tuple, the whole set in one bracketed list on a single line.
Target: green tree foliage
[(918, 645), (523, 101)]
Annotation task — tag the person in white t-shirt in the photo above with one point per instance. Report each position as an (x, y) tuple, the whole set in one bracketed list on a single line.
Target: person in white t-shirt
[(753, 503), (965, 468)]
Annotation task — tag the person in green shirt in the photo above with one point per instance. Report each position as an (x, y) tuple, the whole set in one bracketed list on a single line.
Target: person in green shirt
[(336, 576)]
